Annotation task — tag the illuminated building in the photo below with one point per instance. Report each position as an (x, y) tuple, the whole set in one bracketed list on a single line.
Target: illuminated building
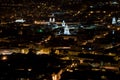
[(51, 19), (20, 20), (63, 23), (113, 20), (66, 30)]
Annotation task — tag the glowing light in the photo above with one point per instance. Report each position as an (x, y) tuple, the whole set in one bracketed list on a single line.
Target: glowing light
[(66, 30), (104, 11), (6, 52), (109, 15), (81, 61), (113, 20), (40, 30), (91, 6), (113, 32), (4, 58), (103, 77), (69, 70), (108, 26), (114, 3), (54, 76), (118, 28), (24, 51), (20, 20), (30, 69), (63, 23), (91, 11), (118, 20)]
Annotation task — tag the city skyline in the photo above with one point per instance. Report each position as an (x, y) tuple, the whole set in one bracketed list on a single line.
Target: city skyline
[(59, 39)]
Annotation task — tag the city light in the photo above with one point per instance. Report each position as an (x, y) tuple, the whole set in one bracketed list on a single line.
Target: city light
[(4, 58), (20, 20), (59, 39)]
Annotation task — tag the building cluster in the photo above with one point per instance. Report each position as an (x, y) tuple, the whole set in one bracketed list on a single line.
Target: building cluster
[(59, 39)]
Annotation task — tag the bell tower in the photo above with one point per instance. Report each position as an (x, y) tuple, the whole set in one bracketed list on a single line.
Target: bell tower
[(113, 20), (52, 19), (66, 30)]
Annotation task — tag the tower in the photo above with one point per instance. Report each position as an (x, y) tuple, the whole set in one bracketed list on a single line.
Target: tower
[(66, 30), (113, 20), (63, 23), (52, 19)]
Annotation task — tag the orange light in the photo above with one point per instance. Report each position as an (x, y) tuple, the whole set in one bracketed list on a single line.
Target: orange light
[(4, 58)]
